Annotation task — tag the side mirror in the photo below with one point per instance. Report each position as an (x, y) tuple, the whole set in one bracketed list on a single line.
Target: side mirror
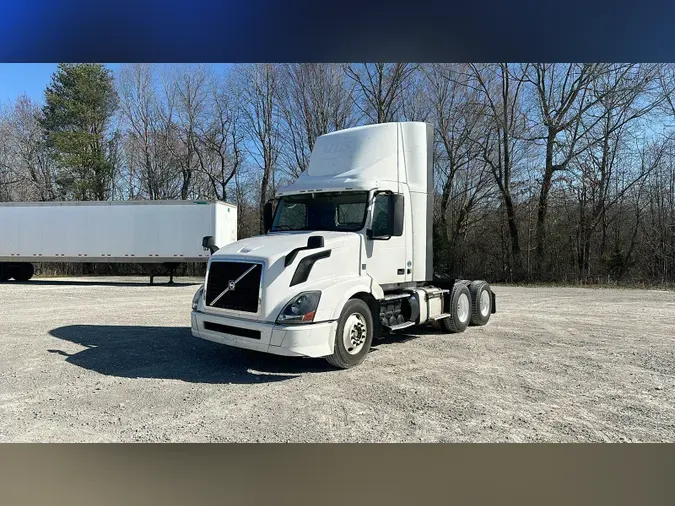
[(394, 216), (268, 215), (208, 243), (397, 216), (315, 241)]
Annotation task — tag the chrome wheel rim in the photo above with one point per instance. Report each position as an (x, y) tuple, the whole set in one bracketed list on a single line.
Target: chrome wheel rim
[(463, 305), (354, 333), (484, 303)]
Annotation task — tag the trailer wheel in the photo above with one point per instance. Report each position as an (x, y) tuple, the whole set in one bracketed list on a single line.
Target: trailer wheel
[(354, 335), (23, 272), (5, 272), (460, 309), (481, 302)]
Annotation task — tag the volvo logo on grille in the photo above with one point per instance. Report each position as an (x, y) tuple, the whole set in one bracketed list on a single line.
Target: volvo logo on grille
[(231, 285)]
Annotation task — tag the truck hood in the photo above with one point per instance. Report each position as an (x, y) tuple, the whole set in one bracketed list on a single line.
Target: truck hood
[(273, 247), (342, 261)]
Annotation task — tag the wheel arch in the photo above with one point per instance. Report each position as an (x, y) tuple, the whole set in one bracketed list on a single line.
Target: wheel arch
[(374, 306)]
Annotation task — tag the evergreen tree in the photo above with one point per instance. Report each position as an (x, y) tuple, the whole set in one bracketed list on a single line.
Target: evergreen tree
[(80, 103)]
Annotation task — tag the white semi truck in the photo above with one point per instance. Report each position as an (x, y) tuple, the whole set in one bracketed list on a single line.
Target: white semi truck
[(347, 256), (159, 234)]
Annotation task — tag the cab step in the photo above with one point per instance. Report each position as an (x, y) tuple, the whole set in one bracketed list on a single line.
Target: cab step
[(440, 316), (400, 326), (395, 296)]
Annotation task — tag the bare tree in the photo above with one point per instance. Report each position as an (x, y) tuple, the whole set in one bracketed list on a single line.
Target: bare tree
[(658, 225), (666, 79), (379, 88), (138, 104), (563, 94), (500, 87), (219, 139), (416, 102), (25, 160), (186, 91), (7, 175), (314, 100), (460, 169), (260, 96), (151, 142), (625, 96)]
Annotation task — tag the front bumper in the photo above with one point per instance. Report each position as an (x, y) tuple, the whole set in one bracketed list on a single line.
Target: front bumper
[(306, 340)]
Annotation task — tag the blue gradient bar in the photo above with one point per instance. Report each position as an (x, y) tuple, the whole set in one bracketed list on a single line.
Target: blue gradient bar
[(299, 30)]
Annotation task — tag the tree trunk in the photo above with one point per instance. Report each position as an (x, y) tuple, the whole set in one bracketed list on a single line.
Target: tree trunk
[(517, 268), (263, 199), (543, 205)]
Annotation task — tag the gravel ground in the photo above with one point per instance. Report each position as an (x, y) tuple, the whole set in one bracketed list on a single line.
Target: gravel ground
[(113, 360)]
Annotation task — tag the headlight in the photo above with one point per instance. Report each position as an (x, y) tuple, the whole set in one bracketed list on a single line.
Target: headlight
[(197, 297), (300, 309)]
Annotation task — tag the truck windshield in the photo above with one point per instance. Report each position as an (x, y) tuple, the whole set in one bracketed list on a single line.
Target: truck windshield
[(321, 211)]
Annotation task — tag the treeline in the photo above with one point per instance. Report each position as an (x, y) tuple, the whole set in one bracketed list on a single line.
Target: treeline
[(543, 172)]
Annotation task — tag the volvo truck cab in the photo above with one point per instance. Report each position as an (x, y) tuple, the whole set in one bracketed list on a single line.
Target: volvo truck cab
[(347, 256)]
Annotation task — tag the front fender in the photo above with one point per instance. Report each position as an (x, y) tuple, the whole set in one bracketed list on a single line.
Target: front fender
[(335, 294)]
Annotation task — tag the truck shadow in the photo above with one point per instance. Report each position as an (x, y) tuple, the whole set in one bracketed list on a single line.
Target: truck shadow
[(173, 353), (94, 282), (402, 337)]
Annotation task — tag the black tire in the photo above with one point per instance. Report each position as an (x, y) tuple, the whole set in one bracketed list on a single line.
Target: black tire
[(5, 272), (341, 358), (478, 289), (23, 272), (454, 323)]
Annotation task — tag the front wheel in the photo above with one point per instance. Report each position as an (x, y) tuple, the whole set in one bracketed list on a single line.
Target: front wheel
[(354, 335)]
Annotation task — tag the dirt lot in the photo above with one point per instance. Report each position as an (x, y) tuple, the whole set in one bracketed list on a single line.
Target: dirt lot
[(113, 360)]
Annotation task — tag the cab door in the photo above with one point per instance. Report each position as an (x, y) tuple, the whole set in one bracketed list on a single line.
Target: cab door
[(386, 257)]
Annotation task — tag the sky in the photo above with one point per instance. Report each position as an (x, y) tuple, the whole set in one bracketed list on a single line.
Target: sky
[(31, 79)]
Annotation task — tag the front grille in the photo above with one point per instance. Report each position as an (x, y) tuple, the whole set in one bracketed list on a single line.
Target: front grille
[(244, 296)]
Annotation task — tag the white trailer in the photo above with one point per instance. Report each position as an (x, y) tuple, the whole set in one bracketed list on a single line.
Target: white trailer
[(347, 257), (151, 232)]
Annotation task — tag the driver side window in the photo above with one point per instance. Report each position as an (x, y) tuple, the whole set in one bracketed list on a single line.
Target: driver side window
[(293, 217), (381, 215)]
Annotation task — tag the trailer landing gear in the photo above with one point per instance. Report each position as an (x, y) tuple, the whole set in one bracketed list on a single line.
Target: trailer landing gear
[(170, 271)]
